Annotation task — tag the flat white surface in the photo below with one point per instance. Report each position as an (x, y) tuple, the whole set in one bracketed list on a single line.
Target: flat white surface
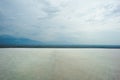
[(59, 64)]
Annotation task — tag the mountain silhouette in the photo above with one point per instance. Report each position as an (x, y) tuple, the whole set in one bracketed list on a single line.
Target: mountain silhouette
[(6, 40)]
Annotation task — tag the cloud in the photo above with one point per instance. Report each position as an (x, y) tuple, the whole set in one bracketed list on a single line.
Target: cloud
[(73, 21)]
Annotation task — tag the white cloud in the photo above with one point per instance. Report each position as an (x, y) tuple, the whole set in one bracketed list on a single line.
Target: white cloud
[(49, 20)]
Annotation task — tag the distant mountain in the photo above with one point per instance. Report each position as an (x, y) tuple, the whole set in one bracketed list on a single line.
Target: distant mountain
[(6, 40), (10, 41)]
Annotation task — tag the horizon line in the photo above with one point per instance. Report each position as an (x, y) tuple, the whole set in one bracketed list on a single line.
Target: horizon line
[(60, 46)]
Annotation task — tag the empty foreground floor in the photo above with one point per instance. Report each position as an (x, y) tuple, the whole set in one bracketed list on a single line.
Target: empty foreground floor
[(59, 64)]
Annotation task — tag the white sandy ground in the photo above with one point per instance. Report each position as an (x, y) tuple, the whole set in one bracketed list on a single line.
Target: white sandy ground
[(59, 64)]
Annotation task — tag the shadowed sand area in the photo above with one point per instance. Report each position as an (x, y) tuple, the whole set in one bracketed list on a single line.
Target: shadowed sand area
[(59, 64)]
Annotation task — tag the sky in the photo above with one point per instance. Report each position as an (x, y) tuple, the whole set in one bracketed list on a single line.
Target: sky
[(62, 21)]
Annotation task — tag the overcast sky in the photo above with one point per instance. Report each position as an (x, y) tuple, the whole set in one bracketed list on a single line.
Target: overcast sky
[(72, 21)]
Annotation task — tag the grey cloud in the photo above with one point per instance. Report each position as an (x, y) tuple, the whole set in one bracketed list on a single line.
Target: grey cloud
[(23, 17), (113, 9), (42, 20)]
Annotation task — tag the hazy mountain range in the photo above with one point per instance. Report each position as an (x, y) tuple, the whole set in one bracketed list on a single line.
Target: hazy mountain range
[(7, 40), (10, 40)]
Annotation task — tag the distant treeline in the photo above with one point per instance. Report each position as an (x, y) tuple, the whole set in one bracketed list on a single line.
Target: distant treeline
[(59, 46)]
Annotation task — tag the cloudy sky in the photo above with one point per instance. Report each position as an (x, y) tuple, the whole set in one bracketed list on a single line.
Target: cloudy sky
[(62, 21)]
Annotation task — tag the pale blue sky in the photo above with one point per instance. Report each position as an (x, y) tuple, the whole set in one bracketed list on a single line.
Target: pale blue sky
[(73, 21)]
